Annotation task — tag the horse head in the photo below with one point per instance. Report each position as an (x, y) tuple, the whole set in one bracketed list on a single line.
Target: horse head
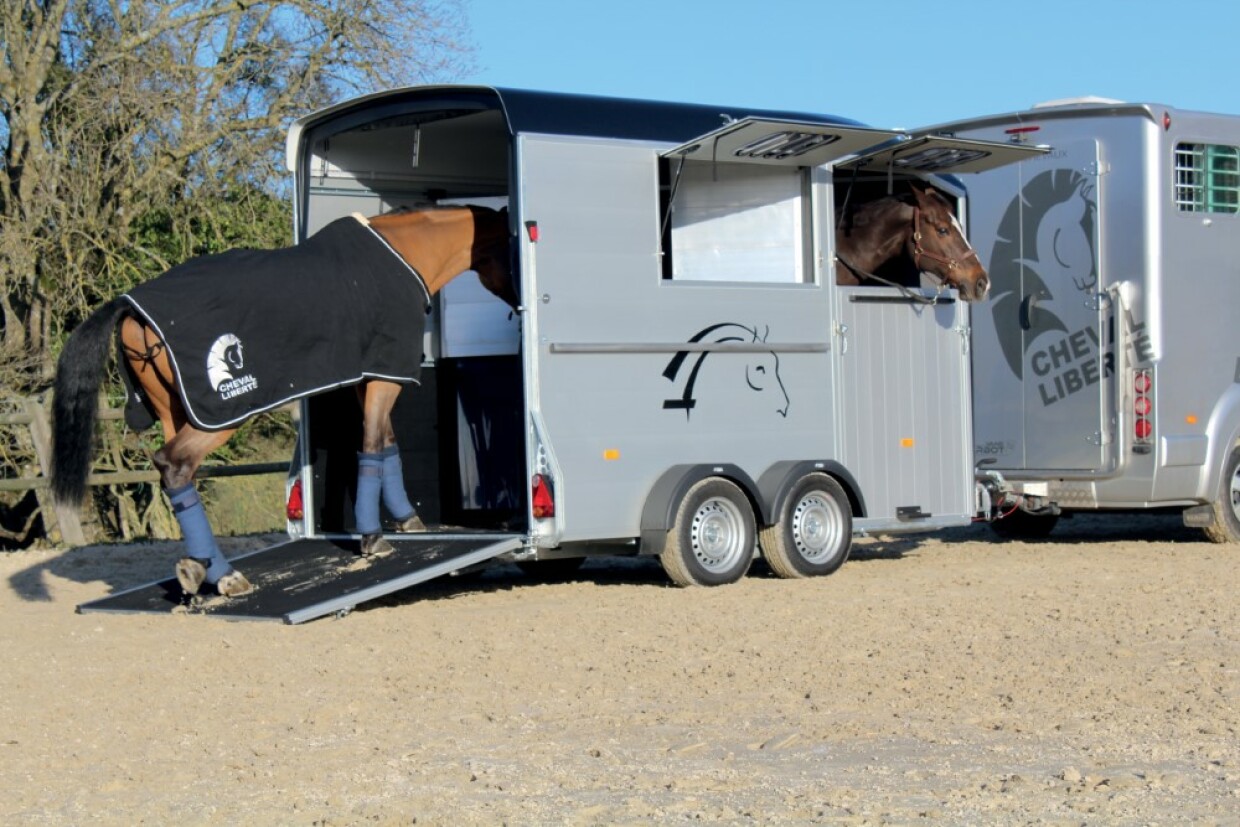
[(491, 256), (937, 246)]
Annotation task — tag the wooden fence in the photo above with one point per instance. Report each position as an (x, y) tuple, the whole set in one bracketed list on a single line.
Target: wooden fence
[(65, 519)]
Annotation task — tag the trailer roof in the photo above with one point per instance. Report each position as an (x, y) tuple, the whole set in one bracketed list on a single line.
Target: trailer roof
[(1053, 110), (545, 112)]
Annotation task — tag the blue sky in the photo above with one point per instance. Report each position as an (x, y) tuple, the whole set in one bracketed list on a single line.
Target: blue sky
[(889, 63)]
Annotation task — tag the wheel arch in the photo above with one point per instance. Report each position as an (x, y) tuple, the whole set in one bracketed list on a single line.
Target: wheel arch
[(777, 481), (659, 510), (1224, 437)]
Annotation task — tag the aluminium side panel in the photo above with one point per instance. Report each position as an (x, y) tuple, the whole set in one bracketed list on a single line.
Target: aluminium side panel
[(632, 373), (1042, 376), (904, 392), (1196, 340)]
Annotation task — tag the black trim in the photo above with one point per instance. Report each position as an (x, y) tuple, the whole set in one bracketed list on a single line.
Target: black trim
[(555, 113), (917, 298)]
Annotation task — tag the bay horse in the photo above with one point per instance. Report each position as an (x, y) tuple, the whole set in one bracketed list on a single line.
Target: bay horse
[(923, 226), (417, 251)]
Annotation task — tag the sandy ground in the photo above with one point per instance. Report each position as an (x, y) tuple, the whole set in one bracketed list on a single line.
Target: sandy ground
[(949, 678)]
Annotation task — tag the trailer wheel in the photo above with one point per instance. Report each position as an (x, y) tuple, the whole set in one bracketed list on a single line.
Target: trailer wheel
[(711, 540), (813, 533), (1226, 525)]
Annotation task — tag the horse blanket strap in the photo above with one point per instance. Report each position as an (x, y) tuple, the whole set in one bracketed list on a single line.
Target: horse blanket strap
[(249, 330), (908, 292)]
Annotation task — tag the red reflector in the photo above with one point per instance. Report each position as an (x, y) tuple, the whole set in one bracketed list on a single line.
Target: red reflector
[(1166, 120), (1142, 383), (1143, 428), (294, 509), (1142, 405), (531, 227), (542, 504)]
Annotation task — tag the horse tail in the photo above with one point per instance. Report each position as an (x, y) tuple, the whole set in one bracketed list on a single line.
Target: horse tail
[(75, 406)]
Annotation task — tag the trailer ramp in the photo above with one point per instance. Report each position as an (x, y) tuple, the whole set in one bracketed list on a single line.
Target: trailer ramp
[(305, 579)]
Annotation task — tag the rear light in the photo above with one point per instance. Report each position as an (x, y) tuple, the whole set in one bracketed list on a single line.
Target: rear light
[(294, 509), (1143, 408), (542, 502)]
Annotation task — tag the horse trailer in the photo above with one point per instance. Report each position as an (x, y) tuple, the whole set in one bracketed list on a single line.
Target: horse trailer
[(1106, 372), (682, 375)]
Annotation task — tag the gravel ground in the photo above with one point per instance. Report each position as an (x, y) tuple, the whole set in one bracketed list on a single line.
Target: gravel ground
[(947, 678)]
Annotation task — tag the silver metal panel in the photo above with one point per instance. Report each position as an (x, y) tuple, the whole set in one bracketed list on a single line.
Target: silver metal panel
[(904, 391), (1043, 359), (619, 406), (784, 143), (937, 155)]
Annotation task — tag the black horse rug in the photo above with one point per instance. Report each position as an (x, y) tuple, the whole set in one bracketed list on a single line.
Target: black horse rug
[(249, 330)]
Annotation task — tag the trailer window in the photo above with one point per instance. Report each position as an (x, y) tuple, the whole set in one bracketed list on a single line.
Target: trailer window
[(736, 223), (1207, 178)]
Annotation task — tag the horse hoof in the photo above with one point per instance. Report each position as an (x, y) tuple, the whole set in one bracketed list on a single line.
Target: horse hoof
[(190, 574), (234, 584), (374, 545), (413, 525)]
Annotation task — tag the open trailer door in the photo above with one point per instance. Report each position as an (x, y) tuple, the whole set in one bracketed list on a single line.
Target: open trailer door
[(765, 141), (942, 155)]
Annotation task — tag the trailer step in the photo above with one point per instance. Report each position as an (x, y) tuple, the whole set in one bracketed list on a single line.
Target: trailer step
[(301, 580)]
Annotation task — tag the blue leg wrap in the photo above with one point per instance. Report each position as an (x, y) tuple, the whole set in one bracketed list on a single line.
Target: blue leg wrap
[(199, 541), (369, 486), (394, 496)]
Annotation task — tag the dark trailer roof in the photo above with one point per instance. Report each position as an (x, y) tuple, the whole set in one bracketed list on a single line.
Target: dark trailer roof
[(528, 111)]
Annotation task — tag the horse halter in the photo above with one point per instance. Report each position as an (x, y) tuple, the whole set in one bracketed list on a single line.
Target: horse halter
[(920, 252)]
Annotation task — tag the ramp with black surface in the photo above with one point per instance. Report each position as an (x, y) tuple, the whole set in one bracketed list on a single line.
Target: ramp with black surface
[(304, 579)]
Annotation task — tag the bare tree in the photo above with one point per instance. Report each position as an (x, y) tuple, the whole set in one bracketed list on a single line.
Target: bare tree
[(135, 133)]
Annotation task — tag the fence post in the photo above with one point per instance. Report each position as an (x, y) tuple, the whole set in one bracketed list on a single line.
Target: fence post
[(55, 515)]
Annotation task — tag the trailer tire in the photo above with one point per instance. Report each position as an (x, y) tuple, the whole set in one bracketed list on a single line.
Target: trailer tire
[(812, 534), (1021, 525), (711, 540), (1226, 525)]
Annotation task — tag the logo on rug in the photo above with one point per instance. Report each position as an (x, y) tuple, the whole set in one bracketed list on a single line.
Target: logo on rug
[(224, 362)]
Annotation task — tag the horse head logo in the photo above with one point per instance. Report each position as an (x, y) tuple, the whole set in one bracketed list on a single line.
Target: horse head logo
[(1056, 212), (761, 368), (224, 358)]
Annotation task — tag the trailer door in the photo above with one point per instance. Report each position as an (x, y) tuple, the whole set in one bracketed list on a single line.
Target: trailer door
[(1042, 356), (904, 396)]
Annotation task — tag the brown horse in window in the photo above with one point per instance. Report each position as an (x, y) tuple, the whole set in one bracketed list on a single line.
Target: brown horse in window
[(201, 352), (922, 226)]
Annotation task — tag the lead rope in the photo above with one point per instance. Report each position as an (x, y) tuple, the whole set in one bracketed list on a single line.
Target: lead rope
[(906, 291)]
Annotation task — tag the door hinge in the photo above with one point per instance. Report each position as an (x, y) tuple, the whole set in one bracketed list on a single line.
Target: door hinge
[(965, 338)]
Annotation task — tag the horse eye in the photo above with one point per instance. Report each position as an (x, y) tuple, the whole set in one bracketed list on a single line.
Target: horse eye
[(943, 231)]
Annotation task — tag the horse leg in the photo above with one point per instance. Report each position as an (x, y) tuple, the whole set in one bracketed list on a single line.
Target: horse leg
[(184, 449), (379, 472), (203, 562)]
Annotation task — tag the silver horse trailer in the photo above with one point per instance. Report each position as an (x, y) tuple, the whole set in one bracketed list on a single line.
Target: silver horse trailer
[(1107, 363), (683, 375)]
